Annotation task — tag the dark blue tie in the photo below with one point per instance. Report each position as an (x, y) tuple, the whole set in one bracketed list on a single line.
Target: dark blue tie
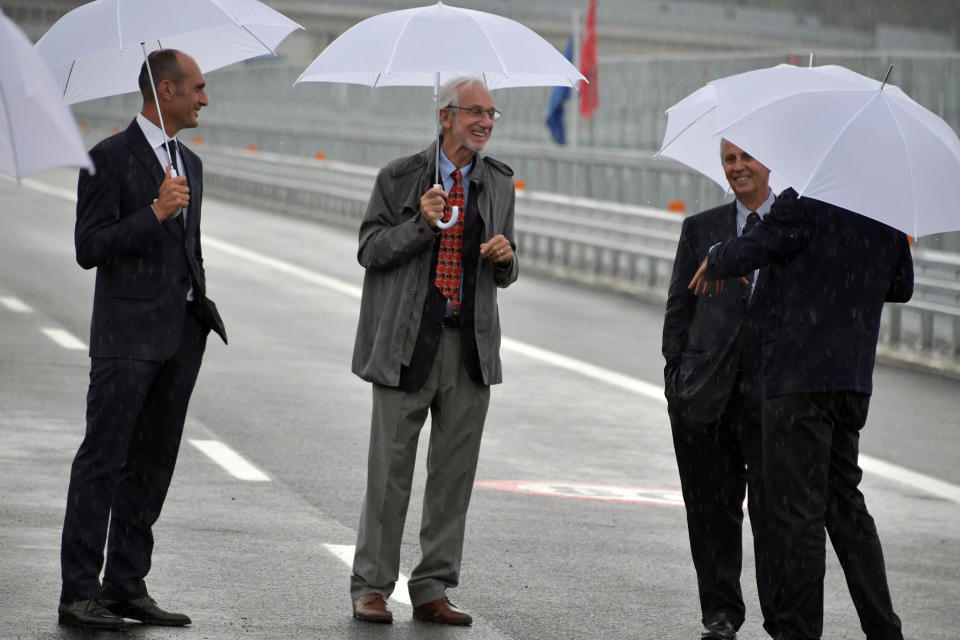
[(751, 222)]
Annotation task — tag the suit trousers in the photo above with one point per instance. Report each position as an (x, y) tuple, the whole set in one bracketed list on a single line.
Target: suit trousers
[(720, 463), (120, 475), (458, 408), (810, 447)]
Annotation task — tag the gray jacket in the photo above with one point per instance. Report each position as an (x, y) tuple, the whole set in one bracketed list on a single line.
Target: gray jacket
[(396, 248)]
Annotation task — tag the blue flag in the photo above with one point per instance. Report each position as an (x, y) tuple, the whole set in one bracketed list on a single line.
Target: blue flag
[(558, 98)]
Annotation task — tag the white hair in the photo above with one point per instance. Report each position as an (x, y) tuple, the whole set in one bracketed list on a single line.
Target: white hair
[(450, 92)]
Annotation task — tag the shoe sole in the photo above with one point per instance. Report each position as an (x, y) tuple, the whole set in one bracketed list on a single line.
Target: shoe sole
[(424, 618), (376, 620), (69, 622)]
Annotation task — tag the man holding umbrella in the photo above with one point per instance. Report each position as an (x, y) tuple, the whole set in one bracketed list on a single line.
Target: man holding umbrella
[(831, 270), (140, 227), (428, 339)]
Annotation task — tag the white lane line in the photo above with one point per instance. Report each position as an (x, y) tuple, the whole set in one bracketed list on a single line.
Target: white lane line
[(64, 338), (536, 353), (875, 466), (910, 478), (608, 376), (344, 552), (15, 304), (232, 462), (284, 267)]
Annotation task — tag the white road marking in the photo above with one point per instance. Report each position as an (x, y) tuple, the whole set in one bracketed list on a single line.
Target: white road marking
[(15, 304), (608, 376), (875, 466), (64, 338), (910, 478), (230, 460), (284, 267), (344, 552)]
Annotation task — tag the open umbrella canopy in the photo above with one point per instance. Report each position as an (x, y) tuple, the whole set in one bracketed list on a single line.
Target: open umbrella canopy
[(95, 50), (691, 134), (849, 140), (427, 46), (37, 130), (691, 137)]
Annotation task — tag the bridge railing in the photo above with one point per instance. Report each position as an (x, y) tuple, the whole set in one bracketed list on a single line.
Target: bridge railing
[(622, 247)]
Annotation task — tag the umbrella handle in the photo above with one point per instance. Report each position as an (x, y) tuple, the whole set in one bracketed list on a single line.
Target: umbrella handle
[(454, 214)]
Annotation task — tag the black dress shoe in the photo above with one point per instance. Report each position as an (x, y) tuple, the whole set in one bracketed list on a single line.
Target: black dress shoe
[(720, 628), (90, 614), (146, 611)]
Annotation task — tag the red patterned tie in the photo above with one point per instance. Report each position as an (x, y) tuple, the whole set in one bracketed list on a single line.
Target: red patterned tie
[(449, 260)]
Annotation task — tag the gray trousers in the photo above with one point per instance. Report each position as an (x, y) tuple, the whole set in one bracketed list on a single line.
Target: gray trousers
[(458, 408)]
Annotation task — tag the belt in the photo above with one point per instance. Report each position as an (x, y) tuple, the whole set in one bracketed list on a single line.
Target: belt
[(452, 322)]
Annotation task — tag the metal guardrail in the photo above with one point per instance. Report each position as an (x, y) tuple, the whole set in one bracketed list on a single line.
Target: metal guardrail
[(616, 246)]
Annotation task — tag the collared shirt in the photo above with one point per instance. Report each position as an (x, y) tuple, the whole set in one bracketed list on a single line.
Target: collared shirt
[(743, 212), (446, 171), (155, 139)]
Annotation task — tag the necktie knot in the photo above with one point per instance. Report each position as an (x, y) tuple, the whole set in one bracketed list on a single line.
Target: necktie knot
[(457, 176), (751, 222)]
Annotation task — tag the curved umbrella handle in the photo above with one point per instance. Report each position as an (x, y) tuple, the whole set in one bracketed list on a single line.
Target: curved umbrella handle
[(454, 214)]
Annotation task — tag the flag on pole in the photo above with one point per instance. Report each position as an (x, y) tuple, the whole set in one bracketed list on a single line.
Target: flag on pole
[(558, 99), (588, 63)]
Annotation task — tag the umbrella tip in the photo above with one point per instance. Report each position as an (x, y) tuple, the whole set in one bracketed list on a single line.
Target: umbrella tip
[(886, 77)]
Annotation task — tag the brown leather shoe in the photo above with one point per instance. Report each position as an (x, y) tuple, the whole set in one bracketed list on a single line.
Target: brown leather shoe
[(441, 611), (371, 607)]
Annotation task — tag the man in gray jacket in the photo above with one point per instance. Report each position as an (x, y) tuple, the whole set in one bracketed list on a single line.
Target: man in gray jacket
[(428, 339)]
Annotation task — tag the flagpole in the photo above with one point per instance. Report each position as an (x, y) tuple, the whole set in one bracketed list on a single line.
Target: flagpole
[(575, 33)]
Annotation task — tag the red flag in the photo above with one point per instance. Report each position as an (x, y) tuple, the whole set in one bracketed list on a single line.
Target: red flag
[(588, 64)]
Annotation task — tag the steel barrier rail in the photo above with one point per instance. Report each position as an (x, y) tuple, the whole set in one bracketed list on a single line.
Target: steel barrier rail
[(618, 246)]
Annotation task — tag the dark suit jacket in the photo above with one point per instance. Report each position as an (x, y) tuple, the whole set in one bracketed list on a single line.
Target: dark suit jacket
[(144, 267), (830, 272), (707, 339)]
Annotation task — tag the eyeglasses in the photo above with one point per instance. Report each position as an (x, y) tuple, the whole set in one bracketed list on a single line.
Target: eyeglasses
[(477, 112)]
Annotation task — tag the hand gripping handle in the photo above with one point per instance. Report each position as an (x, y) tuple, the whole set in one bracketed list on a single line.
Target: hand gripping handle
[(454, 214)]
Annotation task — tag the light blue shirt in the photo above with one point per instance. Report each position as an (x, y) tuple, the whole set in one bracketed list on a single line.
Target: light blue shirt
[(743, 212), (446, 171), (446, 174)]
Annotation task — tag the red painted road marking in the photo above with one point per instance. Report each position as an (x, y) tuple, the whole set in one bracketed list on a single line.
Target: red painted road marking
[(587, 491)]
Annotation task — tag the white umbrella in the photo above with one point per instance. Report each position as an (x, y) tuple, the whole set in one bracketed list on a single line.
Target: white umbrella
[(849, 140), (97, 49), (37, 130), (426, 46), (691, 138)]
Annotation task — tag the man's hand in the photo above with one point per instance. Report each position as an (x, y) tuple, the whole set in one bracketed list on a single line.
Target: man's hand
[(701, 285), (432, 204), (497, 249), (174, 195)]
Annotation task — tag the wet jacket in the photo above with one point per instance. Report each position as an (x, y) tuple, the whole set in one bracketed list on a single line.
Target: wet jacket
[(830, 272), (396, 249)]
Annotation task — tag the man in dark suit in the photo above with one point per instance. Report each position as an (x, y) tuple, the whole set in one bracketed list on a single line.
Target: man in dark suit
[(711, 345), (830, 272), (140, 227), (428, 338)]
